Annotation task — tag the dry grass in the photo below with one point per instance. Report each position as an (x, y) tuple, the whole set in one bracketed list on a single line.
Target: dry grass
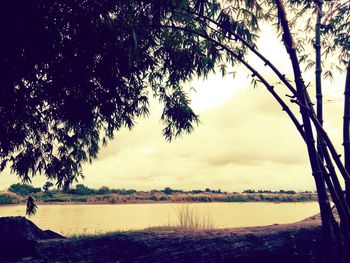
[(190, 217)]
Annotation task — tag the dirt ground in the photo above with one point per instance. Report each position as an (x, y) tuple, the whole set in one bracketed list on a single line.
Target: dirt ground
[(298, 242)]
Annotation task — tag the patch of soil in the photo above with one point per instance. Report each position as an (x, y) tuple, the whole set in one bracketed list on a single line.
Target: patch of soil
[(285, 243)]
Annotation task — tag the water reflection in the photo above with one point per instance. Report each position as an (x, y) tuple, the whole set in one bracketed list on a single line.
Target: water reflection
[(77, 219)]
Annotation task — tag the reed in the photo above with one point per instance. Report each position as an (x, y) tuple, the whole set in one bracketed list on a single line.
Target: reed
[(191, 218)]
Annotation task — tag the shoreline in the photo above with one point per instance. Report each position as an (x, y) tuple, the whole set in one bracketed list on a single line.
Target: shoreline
[(139, 202), (296, 242)]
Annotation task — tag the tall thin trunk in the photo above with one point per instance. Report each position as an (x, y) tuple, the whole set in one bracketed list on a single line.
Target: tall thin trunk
[(318, 71), (325, 209), (346, 130)]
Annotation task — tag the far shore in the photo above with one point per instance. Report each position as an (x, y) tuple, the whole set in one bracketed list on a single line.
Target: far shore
[(148, 202), (56, 197)]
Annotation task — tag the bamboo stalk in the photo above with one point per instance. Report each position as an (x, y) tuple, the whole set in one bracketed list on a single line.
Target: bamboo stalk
[(325, 209), (318, 71), (322, 132), (346, 130)]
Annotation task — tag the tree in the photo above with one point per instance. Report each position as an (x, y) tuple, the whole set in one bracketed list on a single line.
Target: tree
[(81, 189), (168, 191), (101, 60), (47, 186), (75, 72)]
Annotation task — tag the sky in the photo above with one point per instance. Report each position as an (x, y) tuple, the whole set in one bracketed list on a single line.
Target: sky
[(244, 140)]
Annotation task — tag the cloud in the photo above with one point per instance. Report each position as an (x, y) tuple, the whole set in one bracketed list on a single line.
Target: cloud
[(248, 142)]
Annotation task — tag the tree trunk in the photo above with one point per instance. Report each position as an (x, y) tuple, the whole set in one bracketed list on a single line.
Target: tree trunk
[(346, 130), (318, 71), (328, 227)]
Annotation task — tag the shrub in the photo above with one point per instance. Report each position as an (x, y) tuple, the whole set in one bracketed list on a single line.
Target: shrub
[(78, 199), (47, 186), (167, 191), (23, 189), (163, 198), (249, 191), (81, 189), (153, 198), (7, 200), (58, 200), (103, 190), (123, 191)]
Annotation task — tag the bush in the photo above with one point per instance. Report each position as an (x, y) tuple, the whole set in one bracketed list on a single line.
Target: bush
[(249, 191), (56, 200), (78, 199), (167, 191), (23, 189), (103, 190), (153, 198), (7, 200), (47, 186), (81, 189), (163, 198), (123, 191)]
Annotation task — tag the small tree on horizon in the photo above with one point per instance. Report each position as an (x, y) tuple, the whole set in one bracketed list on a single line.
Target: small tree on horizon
[(47, 186)]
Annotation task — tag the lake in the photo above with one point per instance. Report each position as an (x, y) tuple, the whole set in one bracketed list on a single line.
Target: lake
[(71, 219)]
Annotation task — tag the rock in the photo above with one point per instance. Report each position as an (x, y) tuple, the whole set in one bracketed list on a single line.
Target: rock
[(18, 237)]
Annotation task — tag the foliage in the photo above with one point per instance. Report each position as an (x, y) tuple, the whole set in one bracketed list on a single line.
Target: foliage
[(250, 191), (123, 191), (167, 191), (102, 60), (75, 72), (79, 199), (47, 186), (7, 199), (81, 189), (31, 207), (23, 189), (103, 190), (84, 70)]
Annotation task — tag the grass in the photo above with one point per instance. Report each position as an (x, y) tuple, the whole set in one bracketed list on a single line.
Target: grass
[(191, 218), (188, 218)]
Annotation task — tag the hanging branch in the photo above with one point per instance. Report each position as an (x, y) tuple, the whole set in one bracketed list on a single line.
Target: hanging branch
[(233, 36), (254, 73), (330, 178), (31, 207), (307, 104), (236, 37)]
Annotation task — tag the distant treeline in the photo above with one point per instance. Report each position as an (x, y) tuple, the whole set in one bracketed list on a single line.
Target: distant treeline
[(17, 194), (289, 192), (80, 189)]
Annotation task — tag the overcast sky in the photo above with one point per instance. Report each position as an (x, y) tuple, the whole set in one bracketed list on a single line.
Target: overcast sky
[(244, 140)]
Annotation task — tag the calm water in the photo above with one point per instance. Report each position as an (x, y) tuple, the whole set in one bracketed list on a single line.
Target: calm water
[(77, 219)]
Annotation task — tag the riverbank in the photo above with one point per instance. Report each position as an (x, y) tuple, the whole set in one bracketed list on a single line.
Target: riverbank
[(54, 197), (298, 242)]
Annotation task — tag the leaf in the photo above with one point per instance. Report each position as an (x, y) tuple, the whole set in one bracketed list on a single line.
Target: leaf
[(31, 207)]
